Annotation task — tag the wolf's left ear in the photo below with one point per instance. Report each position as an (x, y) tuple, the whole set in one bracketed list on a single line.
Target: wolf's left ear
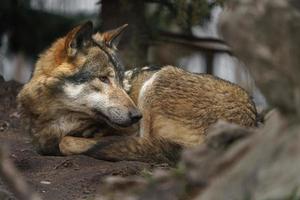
[(78, 38), (112, 37)]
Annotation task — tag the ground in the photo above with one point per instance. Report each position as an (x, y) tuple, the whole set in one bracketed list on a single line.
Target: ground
[(54, 177)]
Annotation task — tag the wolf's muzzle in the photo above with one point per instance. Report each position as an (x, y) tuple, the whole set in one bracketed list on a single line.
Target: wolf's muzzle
[(123, 117), (135, 115)]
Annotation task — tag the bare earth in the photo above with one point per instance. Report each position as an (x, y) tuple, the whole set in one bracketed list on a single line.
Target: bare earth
[(74, 177)]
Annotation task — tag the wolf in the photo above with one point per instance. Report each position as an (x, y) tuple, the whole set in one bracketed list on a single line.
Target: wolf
[(76, 89), (77, 103), (178, 107)]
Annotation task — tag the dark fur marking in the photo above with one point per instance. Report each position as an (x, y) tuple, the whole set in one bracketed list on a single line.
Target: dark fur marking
[(136, 71), (120, 69), (80, 77), (152, 67)]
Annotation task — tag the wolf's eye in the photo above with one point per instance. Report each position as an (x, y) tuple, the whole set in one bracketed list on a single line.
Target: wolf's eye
[(79, 78), (104, 79)]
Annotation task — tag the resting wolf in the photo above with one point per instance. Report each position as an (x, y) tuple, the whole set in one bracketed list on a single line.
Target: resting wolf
[(76, 88), (77, 92)]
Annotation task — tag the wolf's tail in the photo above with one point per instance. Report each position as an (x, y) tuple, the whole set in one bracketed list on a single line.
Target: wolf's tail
[(153, 150)]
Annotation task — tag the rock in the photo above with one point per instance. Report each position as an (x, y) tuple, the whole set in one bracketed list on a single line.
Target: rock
[(265, 35), (162, 185), (45, 182), (116, 187), (233, 163), (258, 167), (193, 174), (5, 195), (223, 134), (8, 105), (239, 163)]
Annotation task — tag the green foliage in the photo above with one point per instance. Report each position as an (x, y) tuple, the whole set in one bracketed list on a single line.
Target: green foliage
[(179, 171), (294, 195), (180, 14), (147, 174)]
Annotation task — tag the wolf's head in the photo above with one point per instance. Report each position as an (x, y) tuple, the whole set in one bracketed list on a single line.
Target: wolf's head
[(85, 76)]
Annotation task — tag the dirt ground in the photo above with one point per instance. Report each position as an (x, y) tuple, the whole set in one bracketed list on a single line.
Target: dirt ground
[(74, 177)]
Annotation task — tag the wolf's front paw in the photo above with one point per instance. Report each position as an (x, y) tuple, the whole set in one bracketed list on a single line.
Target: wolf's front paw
[(70, 145)]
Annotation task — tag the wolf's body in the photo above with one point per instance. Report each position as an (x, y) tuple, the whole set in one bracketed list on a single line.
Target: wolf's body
[(180, 106), (177, 108)]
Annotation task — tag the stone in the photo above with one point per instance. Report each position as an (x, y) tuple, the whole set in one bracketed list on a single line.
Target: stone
[(264, 34)]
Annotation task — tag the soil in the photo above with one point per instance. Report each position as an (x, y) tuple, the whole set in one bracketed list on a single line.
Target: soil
[(53, 177)]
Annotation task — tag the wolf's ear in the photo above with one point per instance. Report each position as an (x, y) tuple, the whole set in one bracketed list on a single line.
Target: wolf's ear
[(112, 37), (78, 38)]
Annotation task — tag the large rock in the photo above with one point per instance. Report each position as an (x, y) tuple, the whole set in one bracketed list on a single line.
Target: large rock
[(264, 166), (234, 163), (265, 35), (237, 163)]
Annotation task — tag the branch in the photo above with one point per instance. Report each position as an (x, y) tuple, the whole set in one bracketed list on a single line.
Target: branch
[(13, 178), (203, 44), (166, 3)]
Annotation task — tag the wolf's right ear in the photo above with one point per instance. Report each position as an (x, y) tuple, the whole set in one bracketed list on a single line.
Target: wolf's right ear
[(78, 38), (110, 38)]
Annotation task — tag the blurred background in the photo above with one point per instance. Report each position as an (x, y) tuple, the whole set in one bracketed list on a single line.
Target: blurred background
[(183, 33)]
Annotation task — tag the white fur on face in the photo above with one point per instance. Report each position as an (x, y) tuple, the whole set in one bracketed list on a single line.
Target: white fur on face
[(83, 96), (73, 91), (97, 100)]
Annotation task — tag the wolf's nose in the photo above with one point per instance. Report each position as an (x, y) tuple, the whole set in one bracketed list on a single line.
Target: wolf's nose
[(135, 115)]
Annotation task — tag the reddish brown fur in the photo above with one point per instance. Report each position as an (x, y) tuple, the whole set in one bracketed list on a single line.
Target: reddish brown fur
[(51, 115), (180, 106), (177, 106)]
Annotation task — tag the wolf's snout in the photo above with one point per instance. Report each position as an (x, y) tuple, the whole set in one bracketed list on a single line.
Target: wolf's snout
[(124, 117), (135, 115)]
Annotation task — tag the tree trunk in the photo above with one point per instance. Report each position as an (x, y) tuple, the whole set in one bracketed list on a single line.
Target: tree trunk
[(135, 42)]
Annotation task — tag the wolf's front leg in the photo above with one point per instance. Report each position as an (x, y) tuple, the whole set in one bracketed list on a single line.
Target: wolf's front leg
[(70, 145), (130, 148), (118, 148)]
